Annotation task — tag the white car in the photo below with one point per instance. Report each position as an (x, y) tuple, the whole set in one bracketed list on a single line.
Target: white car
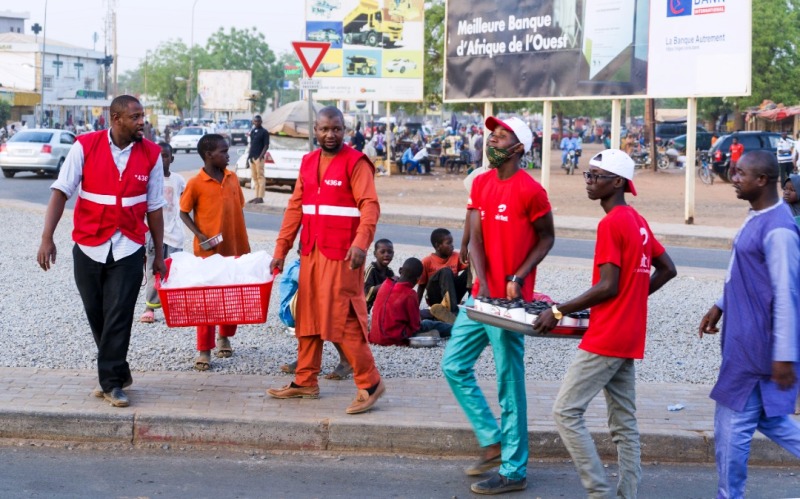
[(40, 150), (281, 165), (187, 138), (401, 65)]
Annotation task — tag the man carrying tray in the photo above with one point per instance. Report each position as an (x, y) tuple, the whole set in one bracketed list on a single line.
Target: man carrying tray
[(511, 231), (624, 253)]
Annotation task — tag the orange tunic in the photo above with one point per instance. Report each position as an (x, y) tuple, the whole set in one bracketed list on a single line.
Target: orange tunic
[(328, 290), (217, 209)]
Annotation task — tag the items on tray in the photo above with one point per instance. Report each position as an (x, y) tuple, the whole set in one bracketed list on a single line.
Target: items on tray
[(527, 312)]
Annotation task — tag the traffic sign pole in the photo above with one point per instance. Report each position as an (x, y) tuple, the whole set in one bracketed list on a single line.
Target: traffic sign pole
[(310, 55)]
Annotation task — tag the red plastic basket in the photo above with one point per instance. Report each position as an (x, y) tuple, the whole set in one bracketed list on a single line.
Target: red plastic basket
[(212, 305)]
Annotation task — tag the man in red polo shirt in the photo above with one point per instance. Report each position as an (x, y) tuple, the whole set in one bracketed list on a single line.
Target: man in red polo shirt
[(737, 150), (621, 282)]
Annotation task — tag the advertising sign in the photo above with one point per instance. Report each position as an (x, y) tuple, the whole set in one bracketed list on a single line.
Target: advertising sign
[(376, 48), (224, 90), (566, 49)]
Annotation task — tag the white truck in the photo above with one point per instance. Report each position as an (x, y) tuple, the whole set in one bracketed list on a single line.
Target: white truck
[(282, 163)]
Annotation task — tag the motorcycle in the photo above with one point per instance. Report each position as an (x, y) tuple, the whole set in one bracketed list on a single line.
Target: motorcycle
[(573, 156)]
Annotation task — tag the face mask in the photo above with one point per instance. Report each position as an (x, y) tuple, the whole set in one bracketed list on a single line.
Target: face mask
[(497, 155)]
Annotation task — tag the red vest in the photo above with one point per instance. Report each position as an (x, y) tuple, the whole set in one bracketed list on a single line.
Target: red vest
[(108, 201), (330, 215)]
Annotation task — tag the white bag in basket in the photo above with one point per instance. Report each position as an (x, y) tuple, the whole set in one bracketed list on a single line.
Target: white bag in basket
[(189, 271)]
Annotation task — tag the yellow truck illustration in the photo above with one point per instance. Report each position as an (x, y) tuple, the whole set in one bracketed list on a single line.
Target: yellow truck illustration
[(360, 65), (369, 24)]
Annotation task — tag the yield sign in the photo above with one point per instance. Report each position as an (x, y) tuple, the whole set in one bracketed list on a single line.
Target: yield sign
[(310, 54)]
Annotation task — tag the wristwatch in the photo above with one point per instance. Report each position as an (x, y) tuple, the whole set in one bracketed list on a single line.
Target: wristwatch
[(515, 279), (556, 313)]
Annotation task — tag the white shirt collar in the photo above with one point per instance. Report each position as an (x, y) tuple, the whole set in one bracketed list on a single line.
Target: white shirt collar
[(112, 144)]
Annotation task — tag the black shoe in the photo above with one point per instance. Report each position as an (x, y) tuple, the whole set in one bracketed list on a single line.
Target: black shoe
[(98, 392), (117, 398), (498, 484)]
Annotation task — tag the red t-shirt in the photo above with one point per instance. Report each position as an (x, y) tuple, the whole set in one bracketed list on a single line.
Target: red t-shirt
[(433, 263), (736, 151), (508, 209), (617, 327)]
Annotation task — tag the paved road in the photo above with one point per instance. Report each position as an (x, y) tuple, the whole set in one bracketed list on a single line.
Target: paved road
[(29, 187), (68, 473)]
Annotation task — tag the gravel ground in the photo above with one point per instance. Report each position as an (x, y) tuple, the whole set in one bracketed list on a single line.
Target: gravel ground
[(43, 324)]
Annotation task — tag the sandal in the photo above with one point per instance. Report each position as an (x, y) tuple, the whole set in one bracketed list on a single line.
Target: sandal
[(148, 317), (289, 368), (202, 362), (340, 373), (224, 349)]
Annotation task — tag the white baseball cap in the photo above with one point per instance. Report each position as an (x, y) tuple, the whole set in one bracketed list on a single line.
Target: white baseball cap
[(616, 162), (515, 125)]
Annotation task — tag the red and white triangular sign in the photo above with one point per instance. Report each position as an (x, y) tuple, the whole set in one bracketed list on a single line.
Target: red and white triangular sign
[(310, 54)]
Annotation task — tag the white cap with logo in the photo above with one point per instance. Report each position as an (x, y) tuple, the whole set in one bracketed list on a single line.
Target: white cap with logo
[(616, 162), (515, 125)]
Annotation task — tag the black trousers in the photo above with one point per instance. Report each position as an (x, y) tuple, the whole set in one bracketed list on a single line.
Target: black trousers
[(443, 281), (109, 292), (786, 168)]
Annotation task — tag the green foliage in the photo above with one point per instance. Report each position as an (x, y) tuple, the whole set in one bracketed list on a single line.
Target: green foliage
[(5, 112)]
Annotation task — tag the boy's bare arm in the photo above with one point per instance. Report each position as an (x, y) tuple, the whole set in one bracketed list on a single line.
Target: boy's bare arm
[(187, 219)]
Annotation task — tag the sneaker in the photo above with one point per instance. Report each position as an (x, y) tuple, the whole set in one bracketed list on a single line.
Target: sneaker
[(98, 392), (443, 313), (364, 401), (117, 398), (292, 391), (498, 484), (483, 465)]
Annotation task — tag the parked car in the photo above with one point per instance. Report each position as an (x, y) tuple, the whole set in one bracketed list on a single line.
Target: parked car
[(188, 137), (282, 163), (671, 129), (325, 35), (41, 151), (240, 130), (679, 143), (400, 65), (720, 155)]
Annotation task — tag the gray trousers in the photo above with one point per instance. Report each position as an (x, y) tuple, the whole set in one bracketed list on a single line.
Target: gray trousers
[(616, 377)]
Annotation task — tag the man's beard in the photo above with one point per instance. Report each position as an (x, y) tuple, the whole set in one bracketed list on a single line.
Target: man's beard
[(329, 150)]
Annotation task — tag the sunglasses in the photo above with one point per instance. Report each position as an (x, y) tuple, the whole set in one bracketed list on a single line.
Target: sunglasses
[(591, 178)]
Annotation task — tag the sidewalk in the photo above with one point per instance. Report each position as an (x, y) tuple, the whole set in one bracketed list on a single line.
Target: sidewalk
[(414, 417), (697, 236)]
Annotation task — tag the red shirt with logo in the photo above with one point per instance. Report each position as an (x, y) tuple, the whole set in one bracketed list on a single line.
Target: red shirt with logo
[(508, 209), (617, 327)]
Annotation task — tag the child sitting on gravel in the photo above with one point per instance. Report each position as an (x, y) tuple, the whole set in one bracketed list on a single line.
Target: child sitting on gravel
[(173, 232), (378, 271), (395, 317), (215, 197), (444, 278)]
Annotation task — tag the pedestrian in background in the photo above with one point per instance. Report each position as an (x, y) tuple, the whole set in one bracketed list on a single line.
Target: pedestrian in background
[(736, 151), (625, 251), (757, 384), (119, 180), (259, 145)]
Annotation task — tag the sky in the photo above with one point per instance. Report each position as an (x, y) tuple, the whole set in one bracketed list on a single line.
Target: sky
[(144, 24)]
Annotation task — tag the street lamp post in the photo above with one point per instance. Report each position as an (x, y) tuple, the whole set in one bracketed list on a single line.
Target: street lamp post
[(44, 48), (191, 66)]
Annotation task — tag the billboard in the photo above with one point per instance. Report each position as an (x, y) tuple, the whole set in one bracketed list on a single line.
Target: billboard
[(567, 49), (224, 90), (376, 52)]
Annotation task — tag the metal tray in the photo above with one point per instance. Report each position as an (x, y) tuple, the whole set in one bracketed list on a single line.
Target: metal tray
[(522, 328)]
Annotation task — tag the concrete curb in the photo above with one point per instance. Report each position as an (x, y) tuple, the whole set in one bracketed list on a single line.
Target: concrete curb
[(322, 434)]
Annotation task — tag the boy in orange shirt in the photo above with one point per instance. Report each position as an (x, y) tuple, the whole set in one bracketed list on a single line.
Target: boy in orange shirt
[(444, 277), (215, 197)]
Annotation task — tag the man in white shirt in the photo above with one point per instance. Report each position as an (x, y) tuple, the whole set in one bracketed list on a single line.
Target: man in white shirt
[(784, 151), (119, 179)]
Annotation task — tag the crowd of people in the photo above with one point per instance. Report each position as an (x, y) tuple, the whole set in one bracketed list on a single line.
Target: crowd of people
[(330, 294)]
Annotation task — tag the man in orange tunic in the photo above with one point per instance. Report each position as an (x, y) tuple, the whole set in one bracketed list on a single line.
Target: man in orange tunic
[(335, 203)]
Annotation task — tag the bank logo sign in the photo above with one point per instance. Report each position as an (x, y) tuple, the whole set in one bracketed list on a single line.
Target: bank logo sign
[(680, 8)]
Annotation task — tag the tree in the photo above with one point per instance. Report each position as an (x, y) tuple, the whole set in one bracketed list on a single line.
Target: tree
[(245, 49), (5, 113)]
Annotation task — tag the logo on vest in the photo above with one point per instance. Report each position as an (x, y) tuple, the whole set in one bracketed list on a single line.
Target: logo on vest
[(142, 178), (333, 183), (501, 209)]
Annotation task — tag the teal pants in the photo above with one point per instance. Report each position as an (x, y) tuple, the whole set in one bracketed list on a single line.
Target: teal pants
[(467, 341)]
